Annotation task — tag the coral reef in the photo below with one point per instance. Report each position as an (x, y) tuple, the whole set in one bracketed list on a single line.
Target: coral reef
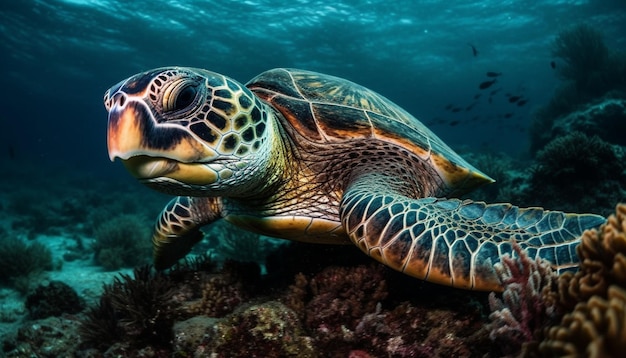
[(340, 296), (21, 261), (606, 119), (267, 329), (595, 296), (47, 338), (222, 293), (122, 241), (590, 72), (576, 173), (596, 328), (344, 311), (583, 52), (603, 262), (329, 312), (53, 299), (526, 306)]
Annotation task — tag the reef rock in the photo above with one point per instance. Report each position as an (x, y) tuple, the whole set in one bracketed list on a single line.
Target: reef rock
[(268, 329), (606, 119)]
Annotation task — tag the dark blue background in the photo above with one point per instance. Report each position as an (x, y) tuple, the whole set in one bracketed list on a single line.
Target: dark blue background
[(58, 57)]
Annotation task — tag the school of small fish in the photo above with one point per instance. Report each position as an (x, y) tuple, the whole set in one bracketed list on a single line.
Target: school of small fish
[(489, 90)]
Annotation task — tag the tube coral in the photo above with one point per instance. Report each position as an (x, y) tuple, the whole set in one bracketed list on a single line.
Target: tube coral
[(597, 293), (602, 255)]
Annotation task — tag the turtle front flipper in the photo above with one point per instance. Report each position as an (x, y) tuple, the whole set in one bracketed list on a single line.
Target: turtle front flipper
[(455, 242), (178, 228)]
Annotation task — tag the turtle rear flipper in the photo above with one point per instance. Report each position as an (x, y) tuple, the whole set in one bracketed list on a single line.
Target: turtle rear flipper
[(455, 242)]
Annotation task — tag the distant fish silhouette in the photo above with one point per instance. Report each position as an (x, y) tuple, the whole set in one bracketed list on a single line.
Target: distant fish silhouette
[(474, 50), (508, 115), (456, 109), (449, 107), (453, 123), (514, 99), (487, 84), (522, 102), (477, 96), (553, 64), (493, 74)]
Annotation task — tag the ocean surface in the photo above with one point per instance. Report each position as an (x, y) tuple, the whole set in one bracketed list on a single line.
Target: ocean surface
[(454, 65), (59, 56)]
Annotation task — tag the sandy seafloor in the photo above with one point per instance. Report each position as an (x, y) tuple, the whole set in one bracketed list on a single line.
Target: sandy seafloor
[(83, 275)]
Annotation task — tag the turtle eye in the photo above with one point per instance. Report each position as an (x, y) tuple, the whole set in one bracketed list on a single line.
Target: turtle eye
[(179, 95)]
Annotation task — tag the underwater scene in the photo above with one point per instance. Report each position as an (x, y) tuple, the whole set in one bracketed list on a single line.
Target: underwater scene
[(395, 188)]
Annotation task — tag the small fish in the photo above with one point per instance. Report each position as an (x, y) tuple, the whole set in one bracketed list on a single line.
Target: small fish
[(474, 50), (453, 123), (477, 96), (469, 108), (522, 102), (553, 64), (456, 109), (508, 115), (514, 99), (487, 84), (493, 74)]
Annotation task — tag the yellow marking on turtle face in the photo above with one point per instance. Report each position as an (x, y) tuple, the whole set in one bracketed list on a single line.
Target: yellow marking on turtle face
[(194, 174)]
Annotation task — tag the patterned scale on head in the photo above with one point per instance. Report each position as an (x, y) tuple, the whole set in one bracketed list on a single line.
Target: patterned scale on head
[(311, 157), (201, 116)]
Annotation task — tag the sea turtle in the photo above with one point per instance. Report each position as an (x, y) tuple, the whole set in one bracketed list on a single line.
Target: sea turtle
[(311, 157)]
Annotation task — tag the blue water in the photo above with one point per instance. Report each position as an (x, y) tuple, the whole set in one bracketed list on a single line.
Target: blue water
[(58, 57)]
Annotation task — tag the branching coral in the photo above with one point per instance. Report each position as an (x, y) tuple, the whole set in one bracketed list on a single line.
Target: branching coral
[(526, 306)]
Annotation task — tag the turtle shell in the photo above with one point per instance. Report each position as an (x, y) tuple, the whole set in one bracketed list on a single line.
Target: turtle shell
[(328, 109)]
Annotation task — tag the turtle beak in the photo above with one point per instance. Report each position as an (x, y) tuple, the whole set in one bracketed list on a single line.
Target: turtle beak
[(150, 149), (124, 132)]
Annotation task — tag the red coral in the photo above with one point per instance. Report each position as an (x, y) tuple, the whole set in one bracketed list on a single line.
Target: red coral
[(343, 309), (524, 308), (342, 295)]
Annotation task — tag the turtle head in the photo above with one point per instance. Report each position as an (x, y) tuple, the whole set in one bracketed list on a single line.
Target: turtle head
[(187, 131)]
